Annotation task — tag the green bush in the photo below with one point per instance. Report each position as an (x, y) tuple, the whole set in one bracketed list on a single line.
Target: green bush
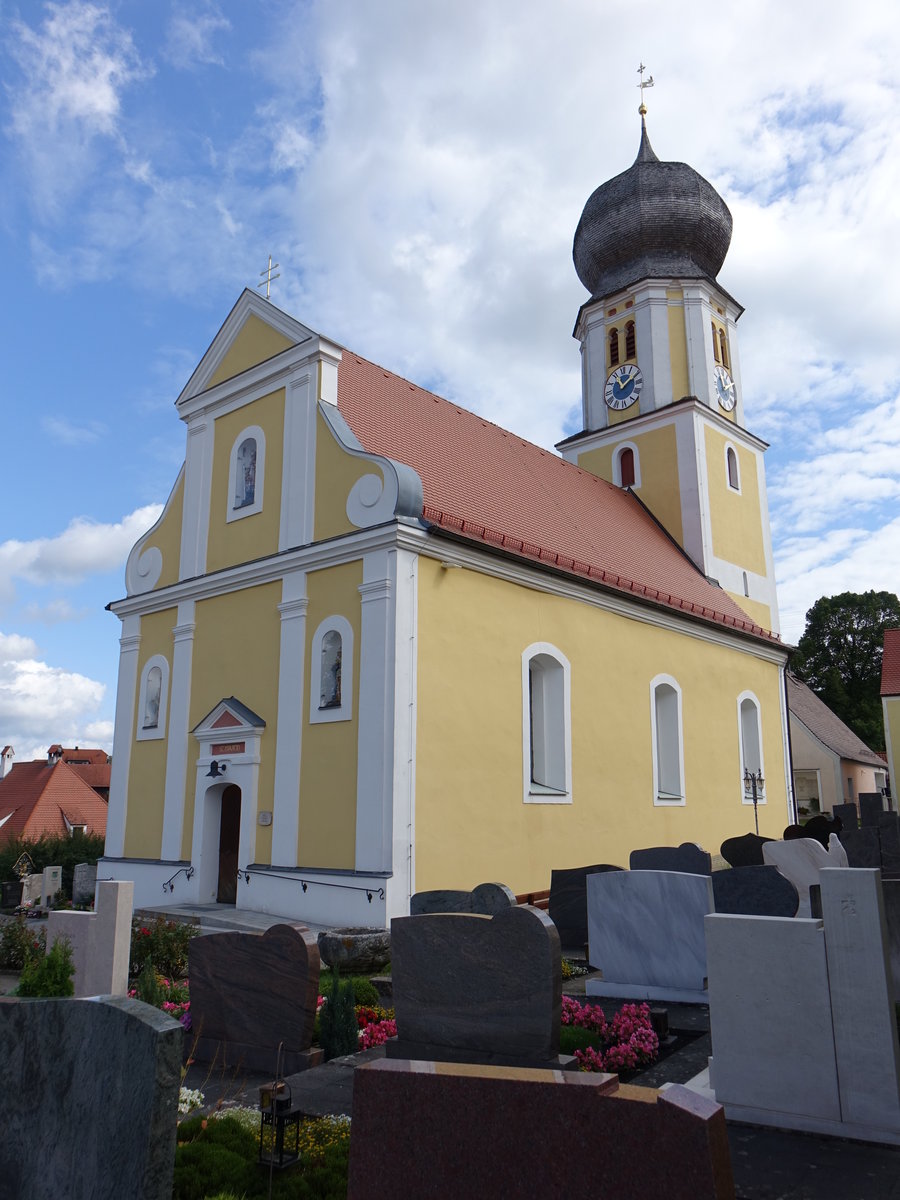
[(19, 942), (573, 1037), (50, 974), (65, 852), (164, 943), (364, 990), (338, 1027), (148, 987)]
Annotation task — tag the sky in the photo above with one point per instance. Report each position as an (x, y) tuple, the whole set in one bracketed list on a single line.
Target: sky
[(417, 171)]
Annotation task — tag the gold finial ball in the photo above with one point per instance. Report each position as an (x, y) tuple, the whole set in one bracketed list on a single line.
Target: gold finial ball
[(642, 111)]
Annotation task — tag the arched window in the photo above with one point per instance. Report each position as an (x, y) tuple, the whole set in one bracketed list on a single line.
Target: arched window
[(246, 471), (613, 347), (331, 671), (723, 348), (750, 738), (546, 726), (667, 741), (731, 466), (630, 349), (746, 582), (626, 467), (715, 340), (153, 695)]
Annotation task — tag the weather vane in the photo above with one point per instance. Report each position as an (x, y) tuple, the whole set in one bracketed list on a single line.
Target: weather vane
[(267, 273), (645, 83)]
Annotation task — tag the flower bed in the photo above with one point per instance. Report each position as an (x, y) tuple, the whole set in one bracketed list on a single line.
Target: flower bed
[(626, 1042)]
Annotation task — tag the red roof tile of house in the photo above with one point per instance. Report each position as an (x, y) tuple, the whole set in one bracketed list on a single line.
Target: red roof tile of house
[(489, 486), (36, 798), (890, 663), (82, 757)]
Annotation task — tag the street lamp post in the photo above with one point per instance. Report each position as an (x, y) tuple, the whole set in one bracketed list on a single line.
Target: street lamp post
[(753, 788)]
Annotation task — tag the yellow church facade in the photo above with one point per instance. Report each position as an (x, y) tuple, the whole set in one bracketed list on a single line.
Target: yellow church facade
[(376, 645)]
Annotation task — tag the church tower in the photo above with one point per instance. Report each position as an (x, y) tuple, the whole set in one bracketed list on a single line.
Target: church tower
[(662, 402)]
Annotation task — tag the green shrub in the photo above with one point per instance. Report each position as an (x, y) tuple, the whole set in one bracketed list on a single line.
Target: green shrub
[(573, 1037), (364, 990), (65, 852), (20, 942), (163, 942), (148, 987), (50, 974), (338, 1028)]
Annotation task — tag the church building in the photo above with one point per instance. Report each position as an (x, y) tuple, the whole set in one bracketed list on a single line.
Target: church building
[(376, 644)]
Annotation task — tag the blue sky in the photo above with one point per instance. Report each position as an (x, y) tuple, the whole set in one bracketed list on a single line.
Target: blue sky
[(418, 171)]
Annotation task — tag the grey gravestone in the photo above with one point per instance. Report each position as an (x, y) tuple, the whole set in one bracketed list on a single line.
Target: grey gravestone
[(470, 988), (755, 892), (847, 815), (744, 851), (486, 900), (99, 1080), (84, 883), (888, 830), (646, 934), (568, 903), (250, 992), (863, 846), (871, 805), (891, 891), (688, 858)]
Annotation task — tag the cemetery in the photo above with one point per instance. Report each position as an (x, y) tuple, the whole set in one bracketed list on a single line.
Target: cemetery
[(692, 1000)]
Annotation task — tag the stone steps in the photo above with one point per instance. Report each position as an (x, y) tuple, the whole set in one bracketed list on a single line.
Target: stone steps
[(220, 918)]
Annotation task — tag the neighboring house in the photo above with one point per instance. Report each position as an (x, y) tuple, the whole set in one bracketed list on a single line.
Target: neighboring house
[(890, 701), (38, 798), (376, 644), (92, 765), (831, 764)]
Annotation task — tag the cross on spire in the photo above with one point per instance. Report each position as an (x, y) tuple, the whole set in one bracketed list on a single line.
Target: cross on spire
[(268, 276), (645, 83)]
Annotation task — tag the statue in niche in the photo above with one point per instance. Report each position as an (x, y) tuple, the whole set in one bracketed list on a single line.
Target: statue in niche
[(245, 486), (152, 695), (332, 650)]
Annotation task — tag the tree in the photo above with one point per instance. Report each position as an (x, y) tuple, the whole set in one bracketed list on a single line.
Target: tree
[(839, 657)]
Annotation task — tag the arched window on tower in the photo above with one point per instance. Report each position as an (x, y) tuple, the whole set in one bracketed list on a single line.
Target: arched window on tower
[(614, 347), (723, 347), (715, 337), (734, 479), (626, 466), (630, 346)]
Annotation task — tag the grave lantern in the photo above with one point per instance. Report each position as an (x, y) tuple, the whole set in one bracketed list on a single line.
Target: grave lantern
[(279, 1116), (753, 789)]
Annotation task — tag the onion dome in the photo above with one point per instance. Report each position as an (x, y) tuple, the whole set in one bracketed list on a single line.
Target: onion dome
[(655, 219)]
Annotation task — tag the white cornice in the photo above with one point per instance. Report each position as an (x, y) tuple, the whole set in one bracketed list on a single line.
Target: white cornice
[(656, 419)]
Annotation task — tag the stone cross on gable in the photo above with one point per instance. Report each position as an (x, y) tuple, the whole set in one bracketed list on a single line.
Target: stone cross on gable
[(645, 83)]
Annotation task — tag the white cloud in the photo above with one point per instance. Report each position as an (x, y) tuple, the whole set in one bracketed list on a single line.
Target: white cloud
[(44, 704), (189, 38), (13, 647), (56, 612), (63, 430)]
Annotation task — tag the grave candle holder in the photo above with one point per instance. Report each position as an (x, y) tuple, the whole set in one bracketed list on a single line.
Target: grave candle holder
[(278, 1116)]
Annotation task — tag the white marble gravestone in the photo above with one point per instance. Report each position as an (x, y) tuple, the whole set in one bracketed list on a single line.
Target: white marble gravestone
[(51, 883), (645, 934), (32, 889), (100, 941), (801, 860)]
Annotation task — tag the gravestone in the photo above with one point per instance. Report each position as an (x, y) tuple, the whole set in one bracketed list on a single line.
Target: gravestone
[(744, 851), (568, 903), (486, 900), (250, 992), (890, 889), (90, 1103), (801, 860), (438, 1129), (100, 940), (863, 846), (645, 930), (84, 882), (888, 829), (847, 815), (754, 891), (688, 858), (819, 827), (477, 989), (51, 883), (871, 805), (32, 890)]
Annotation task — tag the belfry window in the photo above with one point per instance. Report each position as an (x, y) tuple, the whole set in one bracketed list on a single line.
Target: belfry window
[(715, 340), (723, 347), (614, 347), (630, 346)]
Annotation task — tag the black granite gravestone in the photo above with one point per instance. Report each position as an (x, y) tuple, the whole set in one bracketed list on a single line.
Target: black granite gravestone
[(871, 805), (744, 851), (847, 815), (486, 900), (888, 830), (758, 891), (688, 858), (568, 903), (863, 846), (819, 827)]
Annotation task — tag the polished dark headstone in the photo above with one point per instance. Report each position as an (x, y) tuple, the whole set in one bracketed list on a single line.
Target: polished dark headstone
[(847, 815), (891, 892), (744, 851), (863, 846), (568, 903), (470, 988), (486, 900), (819, 827), (250, 992), (888, 830), (871, 805), (754, 892), (688, 858)]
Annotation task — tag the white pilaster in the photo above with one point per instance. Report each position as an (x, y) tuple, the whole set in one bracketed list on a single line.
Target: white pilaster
[(699, 343), (374, 785), (126, 690), (178, 734), (289, 746), (402, 883), (197, 486), (651, 327), (298, 481)]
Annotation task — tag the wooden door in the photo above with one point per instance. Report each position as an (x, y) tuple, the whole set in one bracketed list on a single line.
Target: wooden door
[(229, 839)]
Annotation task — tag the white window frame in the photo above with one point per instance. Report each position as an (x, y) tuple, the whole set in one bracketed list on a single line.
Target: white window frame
[(617, 464), (556, 675), (235, 512), (670, 800), (343, 711), (737, 469), (749, 697), (157, 731)]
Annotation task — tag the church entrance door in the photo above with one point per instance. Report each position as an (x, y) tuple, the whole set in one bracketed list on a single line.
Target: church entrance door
[(229, 838)]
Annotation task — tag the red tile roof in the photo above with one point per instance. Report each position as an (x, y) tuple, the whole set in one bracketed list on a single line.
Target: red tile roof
[(36, 797), (77, 755), (491, 487), (890, 663)]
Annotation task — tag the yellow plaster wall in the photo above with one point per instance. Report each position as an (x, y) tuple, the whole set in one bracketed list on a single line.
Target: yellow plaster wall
[(658, 453), (147, 770), (618, 416), (254, 536), (336, 473), (471, 821), (236, 653), (755, 609), (891, 709), (328, 764), (167, 536), (599, 462), (254, 343), (678, 345), (735, 517)]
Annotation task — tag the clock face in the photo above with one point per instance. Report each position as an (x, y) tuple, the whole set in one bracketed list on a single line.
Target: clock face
[(725, 391), (623, 386)]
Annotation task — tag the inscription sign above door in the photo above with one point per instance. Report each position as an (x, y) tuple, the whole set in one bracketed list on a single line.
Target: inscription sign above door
[(227, 748)]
